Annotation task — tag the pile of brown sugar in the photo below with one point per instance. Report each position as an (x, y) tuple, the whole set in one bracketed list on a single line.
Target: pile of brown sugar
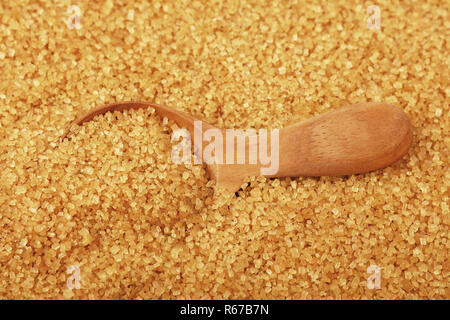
[(109, 203)]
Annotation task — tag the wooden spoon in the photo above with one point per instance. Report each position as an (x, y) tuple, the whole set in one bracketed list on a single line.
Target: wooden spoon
[(354, 139)]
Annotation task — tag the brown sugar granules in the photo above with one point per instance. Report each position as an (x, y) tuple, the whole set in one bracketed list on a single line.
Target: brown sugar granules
[(109, 204)]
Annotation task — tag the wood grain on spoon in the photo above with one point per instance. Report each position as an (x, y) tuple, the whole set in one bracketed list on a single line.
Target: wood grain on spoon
[(354, 139)]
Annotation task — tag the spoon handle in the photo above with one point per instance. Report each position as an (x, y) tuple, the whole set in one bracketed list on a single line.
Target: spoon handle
[(354, 139)]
